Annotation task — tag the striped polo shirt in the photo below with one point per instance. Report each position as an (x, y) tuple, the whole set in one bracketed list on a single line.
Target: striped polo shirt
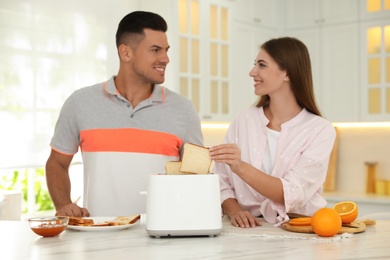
[(121, 145)]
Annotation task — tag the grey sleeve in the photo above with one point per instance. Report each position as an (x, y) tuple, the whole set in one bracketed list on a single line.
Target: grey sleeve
[(66, 138)]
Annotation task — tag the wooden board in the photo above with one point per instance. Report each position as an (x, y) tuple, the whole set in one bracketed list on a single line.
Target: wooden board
[(355, 227)]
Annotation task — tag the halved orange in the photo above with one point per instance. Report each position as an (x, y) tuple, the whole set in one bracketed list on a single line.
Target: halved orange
[(348, 211), (300, 221)]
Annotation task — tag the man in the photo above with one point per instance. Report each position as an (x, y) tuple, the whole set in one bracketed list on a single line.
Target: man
[(127, 128)]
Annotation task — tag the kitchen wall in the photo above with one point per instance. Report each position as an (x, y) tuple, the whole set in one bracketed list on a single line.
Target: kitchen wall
[(357, 145)]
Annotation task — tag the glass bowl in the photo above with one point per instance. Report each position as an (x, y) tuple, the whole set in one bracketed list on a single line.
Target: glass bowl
[(48, 226)]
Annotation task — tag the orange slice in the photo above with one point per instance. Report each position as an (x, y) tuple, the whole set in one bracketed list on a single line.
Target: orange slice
[(300, 221), (348, 211)]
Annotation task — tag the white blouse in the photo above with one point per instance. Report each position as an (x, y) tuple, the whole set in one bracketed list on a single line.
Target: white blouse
[(300, 159), (269, 156)]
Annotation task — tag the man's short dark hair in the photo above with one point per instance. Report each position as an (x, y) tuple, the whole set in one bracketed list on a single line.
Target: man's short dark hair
[(136, 22)]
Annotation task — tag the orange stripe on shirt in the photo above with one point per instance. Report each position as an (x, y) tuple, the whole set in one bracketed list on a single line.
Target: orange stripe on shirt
[(130, 140)]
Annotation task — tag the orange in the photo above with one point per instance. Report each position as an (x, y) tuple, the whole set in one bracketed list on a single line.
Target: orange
[(326, 222), (300, 221), (348, 211)]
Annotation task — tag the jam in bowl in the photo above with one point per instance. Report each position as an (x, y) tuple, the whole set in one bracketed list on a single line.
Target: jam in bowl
[(48, 226)]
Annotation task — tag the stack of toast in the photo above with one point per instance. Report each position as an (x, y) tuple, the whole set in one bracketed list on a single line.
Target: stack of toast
[(121, 220)]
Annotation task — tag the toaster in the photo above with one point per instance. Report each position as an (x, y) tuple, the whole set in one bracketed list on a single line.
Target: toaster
[(183, 205)]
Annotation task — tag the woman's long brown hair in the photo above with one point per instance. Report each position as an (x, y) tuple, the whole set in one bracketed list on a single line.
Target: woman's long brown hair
[(292, 56)]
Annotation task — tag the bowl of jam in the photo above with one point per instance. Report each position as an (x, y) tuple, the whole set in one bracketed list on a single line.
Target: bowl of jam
[(48, 226)]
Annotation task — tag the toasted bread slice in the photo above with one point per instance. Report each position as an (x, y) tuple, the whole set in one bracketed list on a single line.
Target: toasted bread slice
[(196, 159), (76, 221), (100, 225), (124, 220), (172, 167)]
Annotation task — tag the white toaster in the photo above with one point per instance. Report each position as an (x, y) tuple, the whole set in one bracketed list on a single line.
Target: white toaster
[(183, 205)]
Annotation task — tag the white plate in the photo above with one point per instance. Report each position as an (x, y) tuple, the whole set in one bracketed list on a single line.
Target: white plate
[(97, 220)]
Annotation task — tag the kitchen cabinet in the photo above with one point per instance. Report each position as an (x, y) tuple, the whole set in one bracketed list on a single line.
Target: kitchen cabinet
[(374, 9), (263, 13), (375, 61), (333, 69), (308, 13), (200, 37), (215, 43), (213, 72), (243, 61), (339, 67), (334, 52)]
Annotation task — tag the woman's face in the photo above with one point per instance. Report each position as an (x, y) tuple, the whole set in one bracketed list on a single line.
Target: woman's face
[(268, 78)]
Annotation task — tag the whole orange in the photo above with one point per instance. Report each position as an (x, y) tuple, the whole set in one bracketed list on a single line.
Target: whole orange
[(326, 222), (348, 211)]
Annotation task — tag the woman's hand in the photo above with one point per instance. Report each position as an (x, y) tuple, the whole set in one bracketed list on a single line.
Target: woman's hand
[(244, 219), (229, 154), (238, 216), (72, 209)]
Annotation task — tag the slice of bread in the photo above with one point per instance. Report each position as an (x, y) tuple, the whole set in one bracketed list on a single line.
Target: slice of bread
[(100, 225), (173, 167), (196, 159), (76, 221), (124, 220)]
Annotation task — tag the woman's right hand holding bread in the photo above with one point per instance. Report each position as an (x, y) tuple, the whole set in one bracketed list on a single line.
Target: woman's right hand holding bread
[(229, 154)]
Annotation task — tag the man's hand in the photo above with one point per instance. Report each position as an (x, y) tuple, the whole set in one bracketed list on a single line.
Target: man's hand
[(72, 209)]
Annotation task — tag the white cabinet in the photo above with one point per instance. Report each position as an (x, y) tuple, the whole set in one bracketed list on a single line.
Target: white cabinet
[(254, 22), (200, 36), (243, 60), (333, 43), (339, 69), (334, 32), (212, 56), (308, 13), (375, 70), (373, 10), (335, 66), (262, 13), (375, 60)]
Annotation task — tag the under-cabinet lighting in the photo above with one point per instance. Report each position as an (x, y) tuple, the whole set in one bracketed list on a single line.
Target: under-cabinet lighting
[(225, 125), (216, 125), (362, 124)]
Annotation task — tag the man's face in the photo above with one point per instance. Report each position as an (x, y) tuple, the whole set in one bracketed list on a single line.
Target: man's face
[(150, 57)]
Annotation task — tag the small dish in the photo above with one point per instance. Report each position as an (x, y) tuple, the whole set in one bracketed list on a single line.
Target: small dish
[(48, 226)]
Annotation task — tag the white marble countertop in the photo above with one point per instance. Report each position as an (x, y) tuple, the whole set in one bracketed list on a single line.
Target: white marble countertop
[(17, 241)]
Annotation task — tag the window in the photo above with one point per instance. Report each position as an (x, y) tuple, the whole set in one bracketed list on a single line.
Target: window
[(48, 50)]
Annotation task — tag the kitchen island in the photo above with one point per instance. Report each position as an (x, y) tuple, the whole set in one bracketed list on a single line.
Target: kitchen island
[(264, 242)]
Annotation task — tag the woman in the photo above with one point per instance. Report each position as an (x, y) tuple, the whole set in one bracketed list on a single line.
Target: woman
[(276, 153)]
